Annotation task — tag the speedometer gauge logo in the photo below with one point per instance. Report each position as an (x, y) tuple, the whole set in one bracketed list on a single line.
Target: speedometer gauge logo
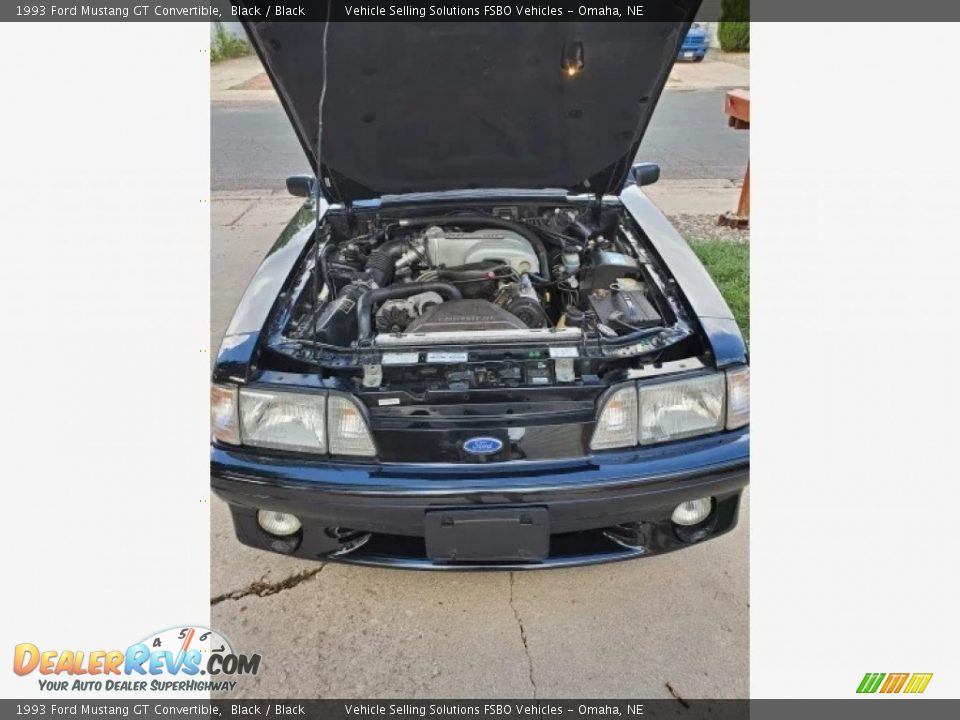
[(182, 640)]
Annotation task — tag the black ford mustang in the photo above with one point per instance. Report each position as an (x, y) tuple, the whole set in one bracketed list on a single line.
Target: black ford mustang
[(478, 343)]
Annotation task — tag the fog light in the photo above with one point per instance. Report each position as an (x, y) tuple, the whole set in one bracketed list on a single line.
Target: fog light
[(278, 523), (692, 512)]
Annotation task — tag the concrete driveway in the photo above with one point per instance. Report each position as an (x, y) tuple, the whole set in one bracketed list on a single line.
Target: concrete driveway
[(669, 626)]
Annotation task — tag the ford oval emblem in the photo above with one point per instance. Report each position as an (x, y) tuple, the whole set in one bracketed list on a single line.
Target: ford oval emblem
[(482, 446)]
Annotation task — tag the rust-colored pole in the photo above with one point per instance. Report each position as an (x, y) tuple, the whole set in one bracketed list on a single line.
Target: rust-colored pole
[(737, 106), (743, 207)]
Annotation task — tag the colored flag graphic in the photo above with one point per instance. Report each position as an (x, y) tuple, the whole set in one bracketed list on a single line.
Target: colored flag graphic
[(913, 683)]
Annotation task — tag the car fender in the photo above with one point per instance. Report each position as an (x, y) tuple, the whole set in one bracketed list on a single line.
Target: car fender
[(239, 344), (694, 281)]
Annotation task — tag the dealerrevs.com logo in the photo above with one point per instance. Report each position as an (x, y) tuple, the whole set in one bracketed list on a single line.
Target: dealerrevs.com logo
[(181, 659), (910, 683)]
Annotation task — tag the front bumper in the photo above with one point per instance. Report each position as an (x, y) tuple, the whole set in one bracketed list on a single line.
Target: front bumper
[(687, 53), (601, 509)]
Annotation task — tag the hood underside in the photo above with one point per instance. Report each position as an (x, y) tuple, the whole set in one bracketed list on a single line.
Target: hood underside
[(422, 107)]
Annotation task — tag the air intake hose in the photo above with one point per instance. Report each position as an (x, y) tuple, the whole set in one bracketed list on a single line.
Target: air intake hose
[(489, 222), (368, 301), (382, 261)]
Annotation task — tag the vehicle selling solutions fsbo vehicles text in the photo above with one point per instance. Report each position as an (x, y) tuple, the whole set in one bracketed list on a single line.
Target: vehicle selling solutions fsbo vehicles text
[(424, 11), (501, 11)]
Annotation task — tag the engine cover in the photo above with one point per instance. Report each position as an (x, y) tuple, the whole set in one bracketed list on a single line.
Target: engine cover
[(450, 249), (465, 315)]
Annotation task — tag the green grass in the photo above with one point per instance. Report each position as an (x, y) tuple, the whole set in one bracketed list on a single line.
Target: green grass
[(225, 46), (729, 265)]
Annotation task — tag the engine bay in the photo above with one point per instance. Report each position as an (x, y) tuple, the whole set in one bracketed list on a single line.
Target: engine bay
[(570, 286)]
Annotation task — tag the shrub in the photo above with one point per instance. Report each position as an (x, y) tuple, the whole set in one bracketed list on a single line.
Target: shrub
[(224, 46), (734, 30)]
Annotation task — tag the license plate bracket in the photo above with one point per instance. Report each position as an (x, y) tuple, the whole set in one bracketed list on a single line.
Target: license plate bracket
[(488, 535)]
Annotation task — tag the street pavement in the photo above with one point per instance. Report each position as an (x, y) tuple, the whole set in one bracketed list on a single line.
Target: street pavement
[(675, 625)]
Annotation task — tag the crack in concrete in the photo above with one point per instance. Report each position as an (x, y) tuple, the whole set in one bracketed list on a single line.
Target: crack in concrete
[(523, 639), (677, 696), (245, 211), (264, 589)]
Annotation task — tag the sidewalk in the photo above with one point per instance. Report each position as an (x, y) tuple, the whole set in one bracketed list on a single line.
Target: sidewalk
[(242, 80), (711, 74), (694, 197), (692, 205)]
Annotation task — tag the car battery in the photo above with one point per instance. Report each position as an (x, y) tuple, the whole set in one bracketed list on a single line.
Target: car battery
[(624, 310)]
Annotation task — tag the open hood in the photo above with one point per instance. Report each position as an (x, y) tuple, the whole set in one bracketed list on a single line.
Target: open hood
[(423, 107)]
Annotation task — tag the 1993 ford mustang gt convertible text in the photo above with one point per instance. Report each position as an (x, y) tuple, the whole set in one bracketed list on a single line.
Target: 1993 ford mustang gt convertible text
[(478, 343)]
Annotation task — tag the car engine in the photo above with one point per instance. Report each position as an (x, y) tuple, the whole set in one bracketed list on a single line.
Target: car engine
[(474, 278)]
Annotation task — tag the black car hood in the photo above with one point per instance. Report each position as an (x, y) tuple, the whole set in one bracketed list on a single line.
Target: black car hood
[(420, 107)]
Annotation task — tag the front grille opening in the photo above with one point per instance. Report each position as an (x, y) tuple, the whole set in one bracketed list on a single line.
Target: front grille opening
[(402, 548)]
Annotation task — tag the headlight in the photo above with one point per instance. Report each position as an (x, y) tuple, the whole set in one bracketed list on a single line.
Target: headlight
[(283, 420), (349, 434), (647, 414), (304, 422), (682, 408), (224, 424), (617, 423), (738, 397)]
